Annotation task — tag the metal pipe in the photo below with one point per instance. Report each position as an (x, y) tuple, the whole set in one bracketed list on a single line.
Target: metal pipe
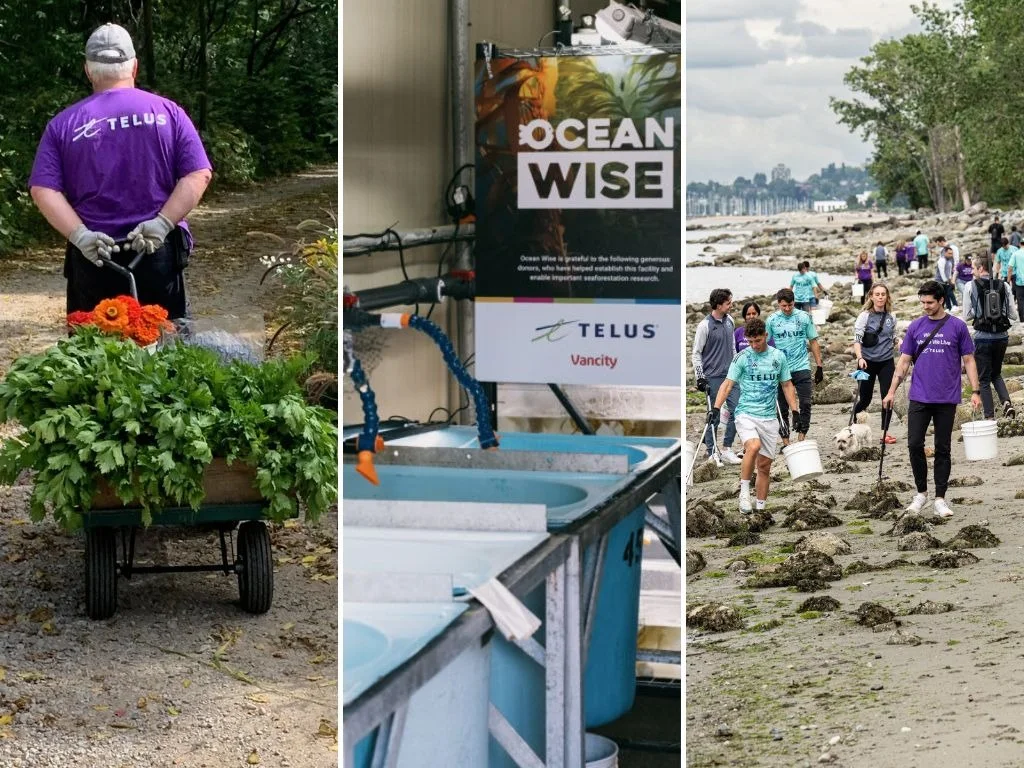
[(570, 408), (413, 238), (462, 314)]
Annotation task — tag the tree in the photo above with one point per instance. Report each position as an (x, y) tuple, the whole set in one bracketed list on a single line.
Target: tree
[(760, 180)]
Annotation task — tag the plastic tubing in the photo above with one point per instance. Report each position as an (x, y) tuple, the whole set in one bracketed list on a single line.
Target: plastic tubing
[(369, 441), (476, 392)]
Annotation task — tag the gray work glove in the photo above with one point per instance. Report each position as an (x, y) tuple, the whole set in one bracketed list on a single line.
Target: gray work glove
[(149, 235), (93, 245)]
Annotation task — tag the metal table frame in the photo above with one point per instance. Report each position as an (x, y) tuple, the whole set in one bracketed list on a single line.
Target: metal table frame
[(573, 581)]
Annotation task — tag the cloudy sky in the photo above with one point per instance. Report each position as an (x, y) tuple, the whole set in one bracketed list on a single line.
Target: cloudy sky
[(759, 74)]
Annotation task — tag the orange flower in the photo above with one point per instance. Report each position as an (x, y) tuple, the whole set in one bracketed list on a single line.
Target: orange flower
[(146, 334), (81, 318), (152, 315), (111, 316), (133, 307)]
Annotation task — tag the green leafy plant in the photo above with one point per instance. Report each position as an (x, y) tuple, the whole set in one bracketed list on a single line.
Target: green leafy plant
[(148, 424)]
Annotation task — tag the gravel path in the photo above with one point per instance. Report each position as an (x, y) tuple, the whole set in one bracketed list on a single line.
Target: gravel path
[(181, 676)]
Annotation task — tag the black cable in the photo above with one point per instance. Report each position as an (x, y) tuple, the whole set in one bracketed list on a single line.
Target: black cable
[(441, 260), (430, 418), (552, 32)]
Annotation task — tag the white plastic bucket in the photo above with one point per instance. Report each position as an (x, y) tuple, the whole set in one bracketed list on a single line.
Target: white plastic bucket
[(689, 449), (913, 265), (600, 752), (858, 290), (980, 439), (821, 312), (803, 460)]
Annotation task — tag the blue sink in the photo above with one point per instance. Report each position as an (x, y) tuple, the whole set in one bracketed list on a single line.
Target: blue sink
[(471, 557), (567, 497)]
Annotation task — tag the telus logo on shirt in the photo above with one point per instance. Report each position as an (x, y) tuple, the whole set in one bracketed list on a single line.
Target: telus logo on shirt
[(93, 127)]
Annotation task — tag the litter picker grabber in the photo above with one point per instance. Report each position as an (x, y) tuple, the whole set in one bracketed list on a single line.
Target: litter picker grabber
[(783, 424), (886, 419), (128, 271), (700, 440)]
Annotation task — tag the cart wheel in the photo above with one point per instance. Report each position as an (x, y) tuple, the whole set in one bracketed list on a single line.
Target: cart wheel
[(255, 574), (100, 573)]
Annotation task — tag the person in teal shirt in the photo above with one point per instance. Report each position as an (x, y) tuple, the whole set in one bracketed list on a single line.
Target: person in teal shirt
[(793, 332), (921, 250), (1003, 256), (1015, 274), (762, 374), (804, 284)]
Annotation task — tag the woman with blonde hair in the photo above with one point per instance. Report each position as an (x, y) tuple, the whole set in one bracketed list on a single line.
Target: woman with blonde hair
[(862, 270), (874, 345)]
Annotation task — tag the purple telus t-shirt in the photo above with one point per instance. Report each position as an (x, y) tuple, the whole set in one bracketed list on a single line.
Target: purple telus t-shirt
[(117, 156), (937, 371), (864, 269)]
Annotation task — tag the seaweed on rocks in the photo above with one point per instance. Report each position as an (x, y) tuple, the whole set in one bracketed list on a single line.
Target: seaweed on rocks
[(860, 566), (811, 512), (705, 472), (929, 608), (713, 617), (910, 523), (800, 566), (834, 466), (822, 604), (743, 539), (695, 562), (873, 614), (824, 542), (871, 453), (760, 520), (956, 558), (704, 518), (918, 541), (973, 537), (970, 481), (876, 502)]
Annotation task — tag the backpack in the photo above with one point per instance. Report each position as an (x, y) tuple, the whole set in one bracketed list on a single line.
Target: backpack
[(991, 312)]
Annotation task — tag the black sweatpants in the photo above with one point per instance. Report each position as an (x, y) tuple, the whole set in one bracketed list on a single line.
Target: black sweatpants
[(804, 385), (158, 278), (903, 267), (989, 357), (1018, 296), (883, 268), (922, 263), (919, 416), (884, 372)]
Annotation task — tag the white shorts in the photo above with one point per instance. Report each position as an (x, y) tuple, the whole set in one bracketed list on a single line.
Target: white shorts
[(765, 430)]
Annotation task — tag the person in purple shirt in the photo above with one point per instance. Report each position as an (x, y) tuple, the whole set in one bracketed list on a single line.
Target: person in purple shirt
[(116, 173), (935, 344), (863, 268), (750, 311)]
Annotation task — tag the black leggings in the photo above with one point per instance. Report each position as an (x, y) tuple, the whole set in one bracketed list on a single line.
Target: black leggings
[(883, 371), (1018, 296), (919, 416), (867, 283), (883, 268), (804, 385), (989, 357)]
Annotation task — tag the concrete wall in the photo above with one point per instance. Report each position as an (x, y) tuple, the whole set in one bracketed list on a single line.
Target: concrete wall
[(397, 160)]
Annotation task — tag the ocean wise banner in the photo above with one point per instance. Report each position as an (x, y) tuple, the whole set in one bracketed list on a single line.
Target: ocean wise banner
[(578, 246)]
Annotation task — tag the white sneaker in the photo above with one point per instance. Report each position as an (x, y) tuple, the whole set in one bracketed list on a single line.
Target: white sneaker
[(745, 506), (730, 458), (942, 508), (918, 503), (717, 458)]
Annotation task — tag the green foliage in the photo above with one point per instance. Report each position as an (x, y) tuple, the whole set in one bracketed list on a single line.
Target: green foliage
[(149, 424), (258, 78)]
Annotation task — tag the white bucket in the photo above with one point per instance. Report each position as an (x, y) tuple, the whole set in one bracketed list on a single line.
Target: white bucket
[(803, 460), (821, 312), (688, 451), (858, 290), (913, 265), (600, 752), (980, 439)]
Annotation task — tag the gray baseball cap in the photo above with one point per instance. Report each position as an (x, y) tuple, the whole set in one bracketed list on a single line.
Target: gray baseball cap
[(110, 44)]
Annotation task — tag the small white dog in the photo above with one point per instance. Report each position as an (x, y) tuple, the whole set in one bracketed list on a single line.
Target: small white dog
[(858, 435)]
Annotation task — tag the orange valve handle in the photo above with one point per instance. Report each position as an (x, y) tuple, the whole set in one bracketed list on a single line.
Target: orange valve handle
[(364, 466)]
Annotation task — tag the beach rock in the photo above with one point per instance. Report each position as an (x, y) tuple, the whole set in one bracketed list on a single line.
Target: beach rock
[(705, 472), (899, 637), (918, 542), (760, 520), (832, 393), (1010, 428), (713, 617), (956, 558), (928, 608), (822, 604), (743, 539), (911, 522), (704, 518), (858, 567), (872, 453), (834, 466), (978, 208), (973, 537), (695, 562), (971, 481), (825, 543), (809, 518), (1015, 461), (800, 567), (873, 614), (897, 563)]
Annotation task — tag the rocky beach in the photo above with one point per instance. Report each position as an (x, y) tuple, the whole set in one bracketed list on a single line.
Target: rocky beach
[(835, 628)]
